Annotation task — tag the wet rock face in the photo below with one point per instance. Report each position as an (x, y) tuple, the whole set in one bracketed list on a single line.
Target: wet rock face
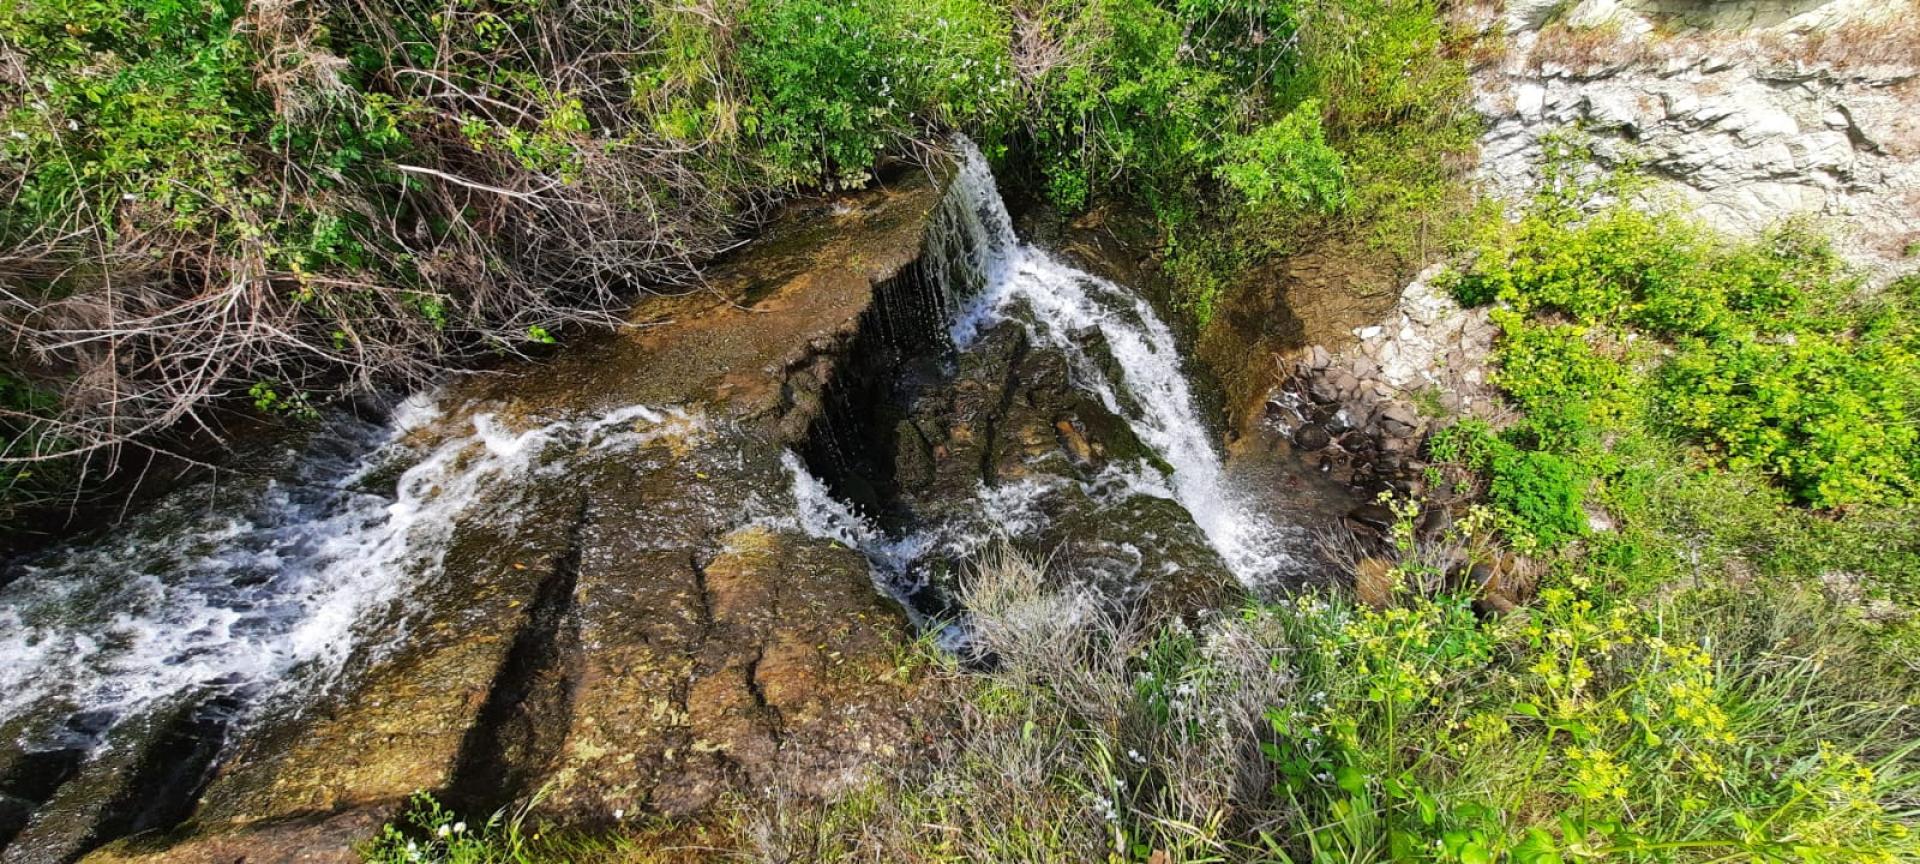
[(999, 440), (632, 623)]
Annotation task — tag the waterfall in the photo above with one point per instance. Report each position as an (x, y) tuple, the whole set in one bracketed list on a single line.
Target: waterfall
[(262, 589), (988, 275)]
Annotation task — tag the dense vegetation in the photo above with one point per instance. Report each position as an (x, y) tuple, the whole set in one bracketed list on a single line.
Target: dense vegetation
[(214, 203)]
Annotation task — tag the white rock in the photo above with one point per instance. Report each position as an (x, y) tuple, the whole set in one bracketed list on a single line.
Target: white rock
[(1615, 109), (1524, 15), (1828, 151), (1529, 100), (1751, 117), (1749, 208), (1680, 105)]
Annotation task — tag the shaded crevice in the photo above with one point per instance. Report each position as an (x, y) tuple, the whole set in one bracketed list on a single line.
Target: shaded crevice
[(776, 720), (147, 777), (165, 786), (1009, 387), (900, 347), (850, 443), (31, 782), (517, 733), (699, 570)]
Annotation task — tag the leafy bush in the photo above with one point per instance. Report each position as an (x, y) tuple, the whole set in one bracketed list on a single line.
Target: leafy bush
[(1287, 164), (839, 83), (1304, 113), (1773, 365), (1568, 388), (1541, 492), (151, 99)]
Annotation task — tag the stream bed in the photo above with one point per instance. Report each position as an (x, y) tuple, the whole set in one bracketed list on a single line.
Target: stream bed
[(637, 547)]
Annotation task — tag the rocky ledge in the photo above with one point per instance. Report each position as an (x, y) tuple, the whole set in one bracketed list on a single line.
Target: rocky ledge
[(1746, 112), (637, 625)]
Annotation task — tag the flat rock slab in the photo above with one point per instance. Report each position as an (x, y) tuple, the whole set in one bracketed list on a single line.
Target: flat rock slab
[(637, 627)]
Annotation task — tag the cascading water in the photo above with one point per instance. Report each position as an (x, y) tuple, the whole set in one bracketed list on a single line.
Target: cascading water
[(258, 596), (988, 277), (268, 600)]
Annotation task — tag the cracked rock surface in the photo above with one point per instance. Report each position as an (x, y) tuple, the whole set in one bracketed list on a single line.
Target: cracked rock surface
[(1746, 112), (639, 626)]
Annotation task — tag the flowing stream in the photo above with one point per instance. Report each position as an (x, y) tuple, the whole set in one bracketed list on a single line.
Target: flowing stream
[(263, 590), (266, 592)]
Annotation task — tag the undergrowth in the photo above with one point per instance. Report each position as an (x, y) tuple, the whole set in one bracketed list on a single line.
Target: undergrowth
[(1739, 407), (205, 200), (1707, 723)]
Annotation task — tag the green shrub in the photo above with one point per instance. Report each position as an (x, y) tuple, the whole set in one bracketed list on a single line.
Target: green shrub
[(1287, 164), (821, 69), (1249, 128), (1568, 390), (1771, 362), (151, 98), (836, 84), (1540, 492)]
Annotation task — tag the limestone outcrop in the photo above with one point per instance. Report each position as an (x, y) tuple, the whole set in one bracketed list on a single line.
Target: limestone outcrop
[(1746, 113)]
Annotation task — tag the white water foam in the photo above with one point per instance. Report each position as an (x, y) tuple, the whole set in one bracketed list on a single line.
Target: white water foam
[(1152, 391), (266, 602)]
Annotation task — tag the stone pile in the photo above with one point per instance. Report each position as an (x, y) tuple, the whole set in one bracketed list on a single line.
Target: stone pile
[(1344, 419)]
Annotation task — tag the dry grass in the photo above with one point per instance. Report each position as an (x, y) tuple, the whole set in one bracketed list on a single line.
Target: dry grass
[(1891, 39), (1082, 732), (1586, 50)]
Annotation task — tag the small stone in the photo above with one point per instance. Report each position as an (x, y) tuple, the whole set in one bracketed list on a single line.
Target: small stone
[(1324, 390), (1318, 359), (1399, 419), (1374, 516), (1072, 441), (1397, 447), (1311, 437)]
